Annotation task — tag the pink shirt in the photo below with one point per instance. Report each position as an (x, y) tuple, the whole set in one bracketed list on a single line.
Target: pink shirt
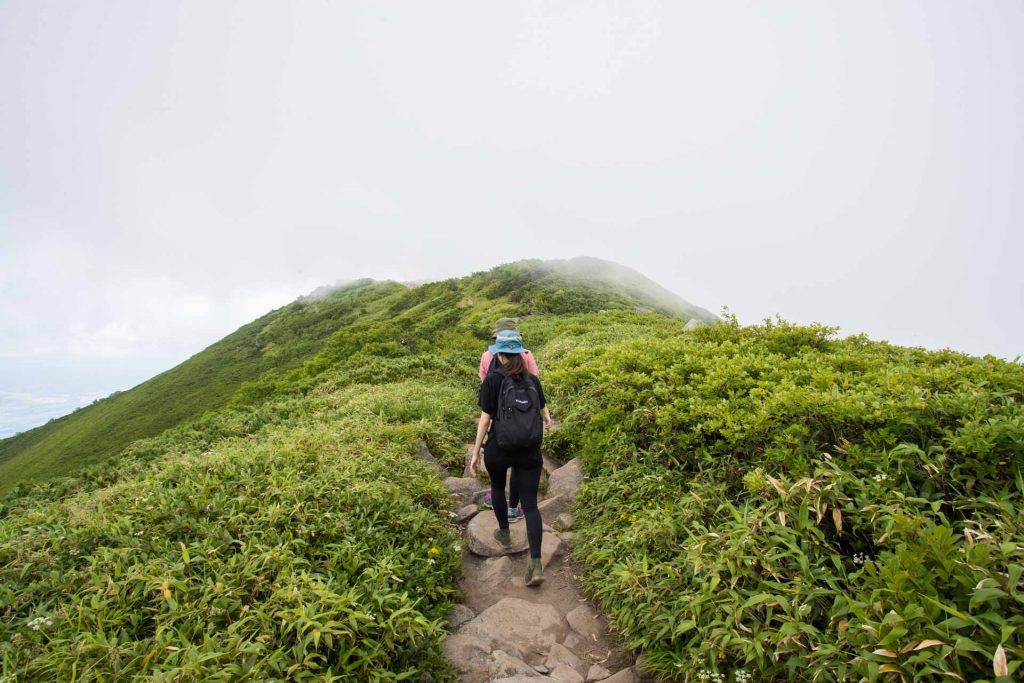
[(485, 363)]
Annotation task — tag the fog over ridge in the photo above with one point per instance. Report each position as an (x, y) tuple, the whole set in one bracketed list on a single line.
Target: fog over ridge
[(172, 170)]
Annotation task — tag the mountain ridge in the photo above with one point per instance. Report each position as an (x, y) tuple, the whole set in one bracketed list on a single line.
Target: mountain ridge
[(245, 365)]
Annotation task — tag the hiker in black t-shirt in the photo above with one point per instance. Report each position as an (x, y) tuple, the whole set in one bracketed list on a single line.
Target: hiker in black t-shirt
[(514, 409)]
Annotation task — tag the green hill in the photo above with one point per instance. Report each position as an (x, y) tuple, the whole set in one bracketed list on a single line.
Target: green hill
[(770, 502), (248, 364), (267, 347)]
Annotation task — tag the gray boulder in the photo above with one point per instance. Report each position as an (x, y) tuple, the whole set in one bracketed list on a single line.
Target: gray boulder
[(566, 674), (585, 621), (468, 654), (560, 655), (464, 513), (566, 480), (480, 537), (525, 627), (504, 665), (458, 616)]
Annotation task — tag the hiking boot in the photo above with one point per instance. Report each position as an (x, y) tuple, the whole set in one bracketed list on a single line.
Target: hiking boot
[(515, 514), (534, 572), (503, 536)]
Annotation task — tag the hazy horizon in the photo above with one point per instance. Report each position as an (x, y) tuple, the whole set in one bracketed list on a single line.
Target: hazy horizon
[(172, 170)]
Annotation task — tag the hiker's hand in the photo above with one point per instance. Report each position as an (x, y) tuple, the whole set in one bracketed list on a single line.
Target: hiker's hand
[(548, 423), (474, 463)]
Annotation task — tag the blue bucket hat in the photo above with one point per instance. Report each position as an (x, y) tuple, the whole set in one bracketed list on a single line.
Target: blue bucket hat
[(507, 341)]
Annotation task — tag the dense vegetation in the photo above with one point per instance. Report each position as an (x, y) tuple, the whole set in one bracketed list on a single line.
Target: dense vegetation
[(769, 501), (773, 500), (290, 532)]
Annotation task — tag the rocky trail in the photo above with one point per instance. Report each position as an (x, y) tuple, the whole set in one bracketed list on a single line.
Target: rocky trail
[(509, 632)]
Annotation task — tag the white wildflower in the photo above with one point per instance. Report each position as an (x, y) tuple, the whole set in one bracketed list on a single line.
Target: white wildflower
[(40, 623)]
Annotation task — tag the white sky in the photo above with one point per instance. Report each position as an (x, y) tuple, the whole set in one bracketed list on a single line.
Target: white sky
[(171, 170)]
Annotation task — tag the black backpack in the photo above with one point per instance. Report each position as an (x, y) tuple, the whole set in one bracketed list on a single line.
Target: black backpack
[(517, 423)]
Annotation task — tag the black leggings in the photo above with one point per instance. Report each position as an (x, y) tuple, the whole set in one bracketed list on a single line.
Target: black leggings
[(526, 482)]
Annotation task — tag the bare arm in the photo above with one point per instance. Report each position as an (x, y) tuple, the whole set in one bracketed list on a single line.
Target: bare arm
[(481, 430)]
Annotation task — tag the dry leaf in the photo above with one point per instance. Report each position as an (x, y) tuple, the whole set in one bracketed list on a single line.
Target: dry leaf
[(890, 669), (999, 666), (928, 643), (837, 519), (782, 518), (881, 652)]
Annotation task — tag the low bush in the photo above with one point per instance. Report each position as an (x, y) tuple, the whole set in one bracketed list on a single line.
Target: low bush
[(774, 501), (312, 548)]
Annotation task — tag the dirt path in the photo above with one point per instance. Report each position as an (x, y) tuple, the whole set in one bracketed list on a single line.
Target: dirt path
[(507, 631)]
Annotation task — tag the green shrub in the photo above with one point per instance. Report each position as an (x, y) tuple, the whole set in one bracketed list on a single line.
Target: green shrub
[(308, 549), (778, 502)]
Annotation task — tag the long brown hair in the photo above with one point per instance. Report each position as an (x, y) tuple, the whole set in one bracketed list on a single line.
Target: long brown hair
[(514, 365)]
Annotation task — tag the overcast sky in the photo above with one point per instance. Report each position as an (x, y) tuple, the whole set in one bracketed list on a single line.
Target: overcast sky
[(172, 170)]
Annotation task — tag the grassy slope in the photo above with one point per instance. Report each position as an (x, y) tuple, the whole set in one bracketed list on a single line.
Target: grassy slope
[(289, 534), (707, 529), (270, 354), (268, 346)]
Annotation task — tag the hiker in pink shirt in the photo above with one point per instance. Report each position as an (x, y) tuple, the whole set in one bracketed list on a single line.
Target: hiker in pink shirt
[(487, 358), (515, 511)]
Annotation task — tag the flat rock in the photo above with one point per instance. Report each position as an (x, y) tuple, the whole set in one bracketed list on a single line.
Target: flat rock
[(561, 656), (550, 464), (458, 616), (465, 513), (468, 654), (624, 676), (566, 674), (564, 521), (585, 621), (516, 679), (554, 505), (566, 480), (576, 642), (495, 570), (567, 537), (597, 673), (528, 628), (462, 484), (551, 546), (480, 537), (504, 665), (464, 489)]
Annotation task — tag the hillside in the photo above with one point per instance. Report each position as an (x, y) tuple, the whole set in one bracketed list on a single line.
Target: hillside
[(246, 365), (769, 502), (267, 347)]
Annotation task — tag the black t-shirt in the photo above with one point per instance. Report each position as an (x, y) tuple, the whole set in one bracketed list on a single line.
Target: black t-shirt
[(490, 389)]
